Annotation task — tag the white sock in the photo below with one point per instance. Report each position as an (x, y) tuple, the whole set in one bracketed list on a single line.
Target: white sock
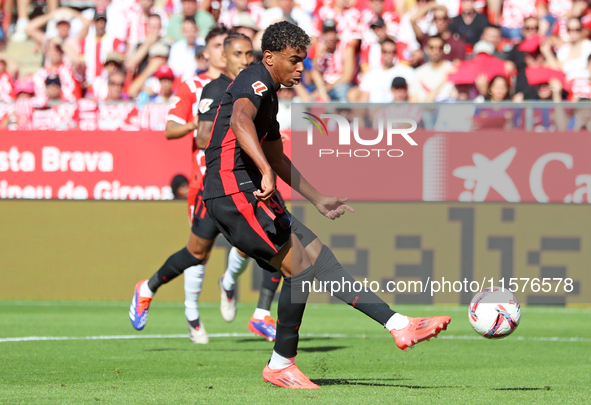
[(22, 23), (145, 290), (261, 313), (236, 266), (278, 362), (397, 321), (193, 281)]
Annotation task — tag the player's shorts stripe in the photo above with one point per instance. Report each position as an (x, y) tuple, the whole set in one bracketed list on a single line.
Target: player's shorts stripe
[(227, 163), (247, 211)]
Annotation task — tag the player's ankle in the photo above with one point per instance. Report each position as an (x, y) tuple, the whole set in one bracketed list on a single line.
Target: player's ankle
[(397, 322), (145, 290), (279, 362), (227, 283), (260, 313)]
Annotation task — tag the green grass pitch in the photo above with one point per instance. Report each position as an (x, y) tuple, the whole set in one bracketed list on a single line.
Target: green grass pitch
[(547, 360)]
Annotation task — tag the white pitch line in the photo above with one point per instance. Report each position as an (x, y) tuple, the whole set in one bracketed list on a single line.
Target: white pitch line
[(312, 335)]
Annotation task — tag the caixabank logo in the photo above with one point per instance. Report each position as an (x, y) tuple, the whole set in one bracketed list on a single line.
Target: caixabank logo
[(352, 144)]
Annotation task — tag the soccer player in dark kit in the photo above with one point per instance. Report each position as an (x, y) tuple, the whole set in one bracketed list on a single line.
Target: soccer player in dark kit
[(238, 54), (235, 53), (244, 153)]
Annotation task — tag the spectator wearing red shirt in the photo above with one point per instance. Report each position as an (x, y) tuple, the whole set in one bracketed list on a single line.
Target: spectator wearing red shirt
[(334, 65), (138, 21), (559, 32), (551, 10), (7, 70), (382, 24), (71, 77), (347, 19), (95, 48)]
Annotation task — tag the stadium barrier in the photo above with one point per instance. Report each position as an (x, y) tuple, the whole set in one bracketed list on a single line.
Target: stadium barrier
[(98, 250)]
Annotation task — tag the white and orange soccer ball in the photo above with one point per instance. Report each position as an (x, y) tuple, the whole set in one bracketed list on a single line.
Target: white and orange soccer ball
[(494, 313)]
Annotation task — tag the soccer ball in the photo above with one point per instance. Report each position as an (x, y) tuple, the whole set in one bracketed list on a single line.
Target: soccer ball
[(494, 313)]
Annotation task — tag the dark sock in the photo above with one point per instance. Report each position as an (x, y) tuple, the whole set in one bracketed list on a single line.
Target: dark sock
[(327, 268), (174, 266), (265, 299), (195, 324), (289, 314), (269, 286), (271, 280)]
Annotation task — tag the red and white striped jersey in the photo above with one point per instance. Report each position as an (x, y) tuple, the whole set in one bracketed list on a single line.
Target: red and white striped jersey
[(560, 26), (94, 52), (558, 8), (118, 116), (515, 11), (6, 88), (348, 22), (330, 65), (184, 107), (70, 80), (137, 23)]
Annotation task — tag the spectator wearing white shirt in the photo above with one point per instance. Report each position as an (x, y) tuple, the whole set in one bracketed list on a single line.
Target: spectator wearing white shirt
[(372, 86), (182, 53), (430, 80)]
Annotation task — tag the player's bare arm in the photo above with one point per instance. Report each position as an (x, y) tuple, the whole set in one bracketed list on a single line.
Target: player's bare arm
[(331, 207), (174, 130), (203, 134), (242, 124)]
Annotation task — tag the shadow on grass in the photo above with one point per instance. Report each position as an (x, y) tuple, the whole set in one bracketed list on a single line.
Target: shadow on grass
[(321, 349), (374, 382), (523, 389), (202, 348)]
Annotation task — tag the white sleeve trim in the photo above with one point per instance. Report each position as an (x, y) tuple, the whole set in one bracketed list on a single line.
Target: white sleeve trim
[(176, 119)]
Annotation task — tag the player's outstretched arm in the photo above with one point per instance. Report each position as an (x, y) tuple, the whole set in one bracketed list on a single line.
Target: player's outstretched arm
[(330, 207), (242, 123), (174, 130)]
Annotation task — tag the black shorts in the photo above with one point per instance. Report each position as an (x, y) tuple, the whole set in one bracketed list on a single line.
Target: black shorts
[(201, 224), (258, 230)]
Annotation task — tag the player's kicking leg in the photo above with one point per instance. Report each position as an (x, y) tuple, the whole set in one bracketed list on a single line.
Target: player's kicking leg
[(317, 260)]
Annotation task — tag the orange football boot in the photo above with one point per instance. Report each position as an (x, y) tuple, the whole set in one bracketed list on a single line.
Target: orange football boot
[(289, 377), (418, 330)]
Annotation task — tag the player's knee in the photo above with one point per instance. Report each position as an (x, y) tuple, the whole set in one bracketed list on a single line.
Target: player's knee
[(198, 249)]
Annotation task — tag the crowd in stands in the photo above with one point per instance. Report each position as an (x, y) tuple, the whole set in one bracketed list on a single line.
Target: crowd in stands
[(363, 51)]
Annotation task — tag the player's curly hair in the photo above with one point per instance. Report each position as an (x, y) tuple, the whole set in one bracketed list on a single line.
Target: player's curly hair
[(283, 35)]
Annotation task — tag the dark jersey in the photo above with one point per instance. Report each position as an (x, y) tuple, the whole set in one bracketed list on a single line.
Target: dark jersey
[(211, 97), (229, 169)]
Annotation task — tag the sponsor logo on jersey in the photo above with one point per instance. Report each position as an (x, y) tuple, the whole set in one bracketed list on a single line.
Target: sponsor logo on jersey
[(204, 105), (259, 88)]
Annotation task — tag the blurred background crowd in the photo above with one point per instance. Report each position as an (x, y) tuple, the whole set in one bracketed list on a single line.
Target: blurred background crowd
[(93, 53)]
